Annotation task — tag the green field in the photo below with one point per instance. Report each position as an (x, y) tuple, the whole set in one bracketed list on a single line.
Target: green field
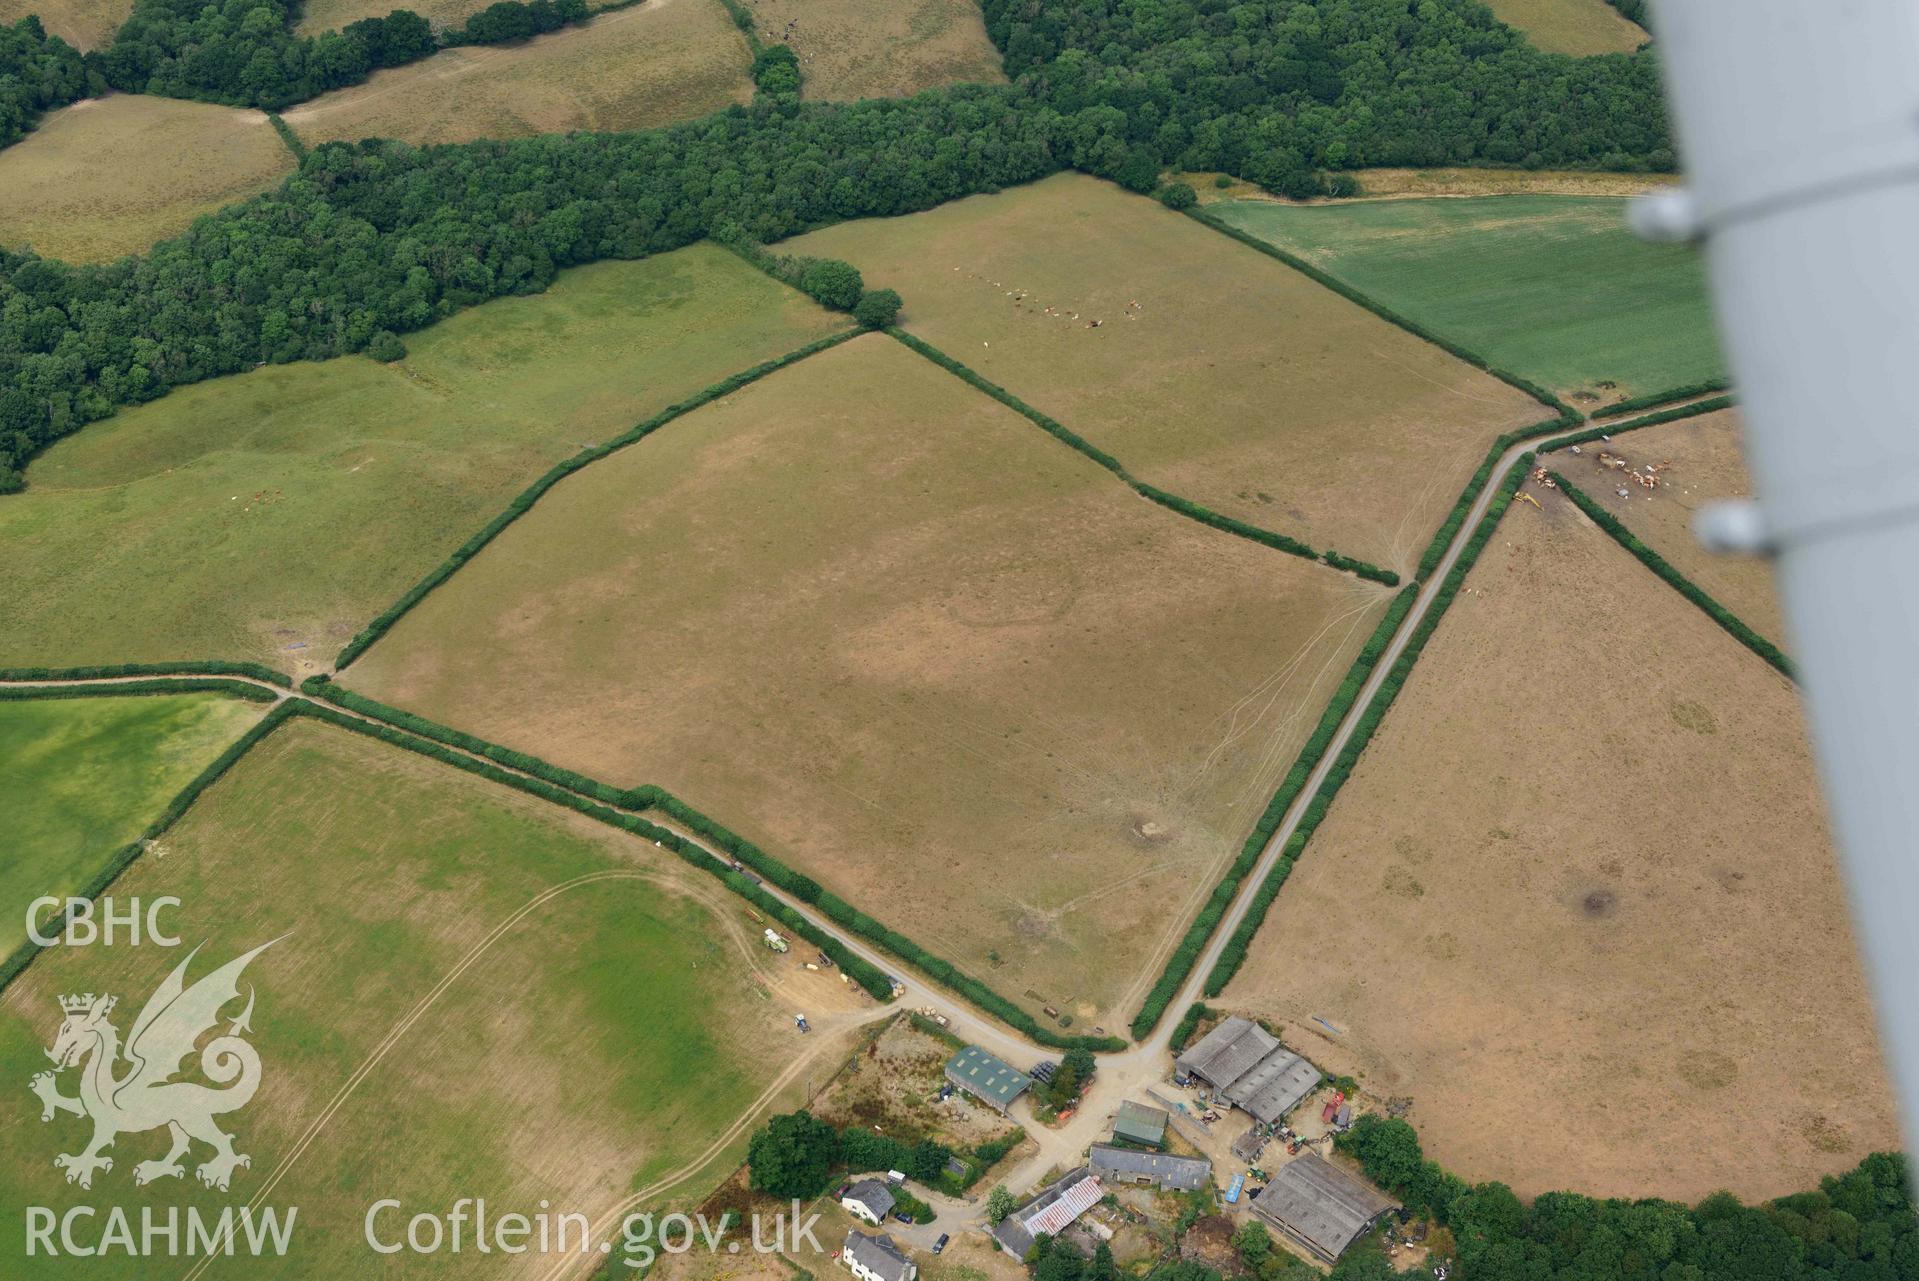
[(607, 1040), (271, 514), (1552, 288), (83, 776)]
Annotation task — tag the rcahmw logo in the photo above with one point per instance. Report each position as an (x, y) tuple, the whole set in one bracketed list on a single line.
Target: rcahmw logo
[(130, 1088)]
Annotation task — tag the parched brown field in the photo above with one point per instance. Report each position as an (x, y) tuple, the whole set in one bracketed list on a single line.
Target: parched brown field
[(331, 15), (1707, 463), (907, 642), (110, 176), (1578, 899), (654, 64), (1385, 184), (881, 48), (473, 993), (84, 24), (1577, 27), (1215, 372)]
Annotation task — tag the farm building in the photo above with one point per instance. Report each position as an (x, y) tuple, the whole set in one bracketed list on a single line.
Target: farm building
[(1320, 1206), (869, 1199), (1129, 1165), (876, 1258), (1248, 1068), (1140, 1125), (1049, 1213), (988, 1079)]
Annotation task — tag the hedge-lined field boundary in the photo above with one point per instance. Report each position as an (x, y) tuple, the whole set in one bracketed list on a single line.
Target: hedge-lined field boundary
[(1188, 1024), (290, 138), (1180, 964), (1673, 415), (1674, 579), (125, 857), (1449, 528), (257, 671), (134, 689), (1235, 951), (1172, 502), (1380, 309), (532, 494), (1652, 400)]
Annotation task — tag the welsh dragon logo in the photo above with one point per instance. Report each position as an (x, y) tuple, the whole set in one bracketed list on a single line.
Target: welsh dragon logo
[(144, 1096)]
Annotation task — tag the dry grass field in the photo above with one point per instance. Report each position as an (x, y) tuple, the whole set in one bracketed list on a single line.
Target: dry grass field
[(1383, 184), (654, 64), (1577, 27), (331, 15), (271, 514), (907, 642), (1578, 899), (1706, 464), (110, 176), (1214, 371), (84, 24), (621, 1035), (881, 48)]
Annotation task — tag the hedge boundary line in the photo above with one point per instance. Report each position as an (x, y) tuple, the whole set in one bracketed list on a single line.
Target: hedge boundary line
[(1653, 400), (1380, 309), (742, 18), (532, 494), (1692, 591), (136, 689), (290, 138), (1188, 1023), (257, 671), (1369, 722), (1695, 410), (610, 799), (23, 956), (1180, 964), (1172, 502), (1449, 528), (854, 921)]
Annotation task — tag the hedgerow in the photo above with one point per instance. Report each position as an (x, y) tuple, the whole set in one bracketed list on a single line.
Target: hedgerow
[(290, 138), (1449, 528), (254, 670), (866, 974), (1591, 434), (848, 917), (1235, 950), (1188, 1024), (1667, 397), (374, 630), (127, 689), (1186, 955), (125, 856), (1172, 502), (1677, 581)]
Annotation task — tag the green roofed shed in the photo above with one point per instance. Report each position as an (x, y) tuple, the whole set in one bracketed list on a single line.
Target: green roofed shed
[(1137, 1123), (988, 1079)]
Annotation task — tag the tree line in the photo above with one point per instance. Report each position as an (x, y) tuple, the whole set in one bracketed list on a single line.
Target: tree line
[(38, 72), (1857, 1227), (380, 237)]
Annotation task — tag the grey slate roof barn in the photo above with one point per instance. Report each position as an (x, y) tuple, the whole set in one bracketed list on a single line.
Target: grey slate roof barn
[(1248, 1067), (1321, 1206), (876, 1258), (988, 1079), (870, 1200), (1129, 1165)]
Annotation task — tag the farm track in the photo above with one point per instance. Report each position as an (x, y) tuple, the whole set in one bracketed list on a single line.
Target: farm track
[(1121, 1074)]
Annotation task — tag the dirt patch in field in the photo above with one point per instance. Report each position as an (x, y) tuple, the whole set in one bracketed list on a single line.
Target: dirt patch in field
[(1699, 460), (1632, 970), (111, 176), (1204, 366), (785, 608), (654, 64), (881, 48)]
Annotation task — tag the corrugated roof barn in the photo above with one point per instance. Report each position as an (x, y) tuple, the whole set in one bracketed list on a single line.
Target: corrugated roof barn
[(1227, 1052), (1050, 1212), (1250, 1069), (988, 1079), (1129, 1165), (1321, 1206), (1137, 1123)]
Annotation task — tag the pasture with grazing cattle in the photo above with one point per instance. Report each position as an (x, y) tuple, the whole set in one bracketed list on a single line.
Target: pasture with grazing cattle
[(913, 646), (472, 993), (270, 515), (1203, 366), (1552, 288), (1578, 899)]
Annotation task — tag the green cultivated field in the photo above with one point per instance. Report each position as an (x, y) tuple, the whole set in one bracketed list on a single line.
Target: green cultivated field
[(608, 1038), (83, 776), (1552, 288), (270, 514)]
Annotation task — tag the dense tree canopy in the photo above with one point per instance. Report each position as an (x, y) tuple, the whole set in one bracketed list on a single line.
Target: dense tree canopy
[(37, 72)]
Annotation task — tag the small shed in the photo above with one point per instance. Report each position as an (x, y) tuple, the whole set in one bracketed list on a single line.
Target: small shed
[(1321, 1206), (1141, 1125), (987, 1078)]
